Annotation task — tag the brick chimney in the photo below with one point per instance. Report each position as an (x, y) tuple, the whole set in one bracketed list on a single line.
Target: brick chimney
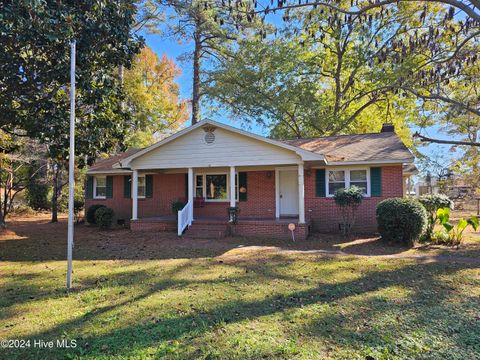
[(388, 127)]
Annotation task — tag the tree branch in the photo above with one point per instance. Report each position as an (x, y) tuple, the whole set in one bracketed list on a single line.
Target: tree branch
[(449, 142)]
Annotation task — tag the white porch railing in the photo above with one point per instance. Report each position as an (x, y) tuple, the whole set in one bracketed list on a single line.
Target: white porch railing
[(185, 217)]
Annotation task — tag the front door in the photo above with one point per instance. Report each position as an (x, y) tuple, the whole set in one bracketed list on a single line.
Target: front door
[(288, 192)]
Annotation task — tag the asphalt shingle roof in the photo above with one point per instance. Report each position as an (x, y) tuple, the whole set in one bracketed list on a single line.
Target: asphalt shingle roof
[(106, 164), (386, 146)]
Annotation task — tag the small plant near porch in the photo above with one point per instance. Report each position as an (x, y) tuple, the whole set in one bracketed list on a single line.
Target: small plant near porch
[(233, 214), (177, 205), (348, 200)]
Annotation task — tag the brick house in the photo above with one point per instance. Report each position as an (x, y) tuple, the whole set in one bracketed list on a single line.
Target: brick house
[(212, 166)]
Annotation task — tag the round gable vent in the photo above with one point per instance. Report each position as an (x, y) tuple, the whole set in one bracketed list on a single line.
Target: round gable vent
[(209, 137)]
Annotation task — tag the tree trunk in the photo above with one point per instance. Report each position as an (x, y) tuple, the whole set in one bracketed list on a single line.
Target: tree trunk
[(2, 199), (56, 172), (196, 77)]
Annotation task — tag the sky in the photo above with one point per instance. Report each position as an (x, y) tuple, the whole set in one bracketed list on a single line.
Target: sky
[(174, 50)]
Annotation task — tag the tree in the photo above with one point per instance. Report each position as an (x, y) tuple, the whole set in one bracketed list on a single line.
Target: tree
[(446, 41), (153, 98), (34, 74), (323, 79), (209, 27), (20, 162)]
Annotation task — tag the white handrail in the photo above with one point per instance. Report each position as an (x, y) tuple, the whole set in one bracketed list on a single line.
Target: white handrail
[(184, 217)]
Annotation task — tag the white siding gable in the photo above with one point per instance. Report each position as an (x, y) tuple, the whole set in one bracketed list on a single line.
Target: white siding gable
[(228, 148)]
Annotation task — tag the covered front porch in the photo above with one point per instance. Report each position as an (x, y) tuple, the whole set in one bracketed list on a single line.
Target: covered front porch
[(268, 195)]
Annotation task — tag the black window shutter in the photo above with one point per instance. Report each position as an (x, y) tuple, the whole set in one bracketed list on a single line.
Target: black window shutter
[(148, 186), (320, 183), (242, 183), (89, 187), (127, 186), (186, 186), (109, 187), (376, 181)]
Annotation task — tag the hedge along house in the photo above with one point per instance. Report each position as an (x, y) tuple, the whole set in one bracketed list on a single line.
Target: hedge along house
[(212, 166)]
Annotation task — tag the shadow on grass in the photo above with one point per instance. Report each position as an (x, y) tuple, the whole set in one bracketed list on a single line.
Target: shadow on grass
[(421, 281), (41, 241)]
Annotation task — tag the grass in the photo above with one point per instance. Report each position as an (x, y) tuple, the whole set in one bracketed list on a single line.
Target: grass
[(155, 296)]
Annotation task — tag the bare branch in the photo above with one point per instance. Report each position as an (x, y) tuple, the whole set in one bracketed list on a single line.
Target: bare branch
[(449, 142)]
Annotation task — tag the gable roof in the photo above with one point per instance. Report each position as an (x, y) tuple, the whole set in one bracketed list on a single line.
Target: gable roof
[(305, 155), (385, 147)]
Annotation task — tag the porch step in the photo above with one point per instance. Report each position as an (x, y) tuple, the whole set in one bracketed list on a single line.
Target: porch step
[(207, 230)]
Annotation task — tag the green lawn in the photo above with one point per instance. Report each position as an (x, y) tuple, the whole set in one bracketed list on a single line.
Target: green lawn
[(172, 299)]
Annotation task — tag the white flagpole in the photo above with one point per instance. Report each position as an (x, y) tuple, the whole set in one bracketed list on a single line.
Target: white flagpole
[(71, 165)]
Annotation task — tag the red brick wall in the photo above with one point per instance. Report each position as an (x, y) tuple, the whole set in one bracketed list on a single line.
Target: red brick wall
[(120, 205), (325, 215), (260, 199), (166, 189), (269, 230)]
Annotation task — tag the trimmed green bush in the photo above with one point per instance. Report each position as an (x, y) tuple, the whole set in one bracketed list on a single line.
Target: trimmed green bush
[(401, 220), (104, 217), (90, 215), (348, 200), (432, 203)]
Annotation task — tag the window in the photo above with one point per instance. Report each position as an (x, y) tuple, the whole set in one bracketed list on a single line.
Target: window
[(199, 186), (359, 178), (216, 187), (100, 187), (141, 187), (338, 179)]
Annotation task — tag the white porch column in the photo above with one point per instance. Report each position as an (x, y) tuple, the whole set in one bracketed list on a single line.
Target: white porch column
[(135, 195), (232, 186), (301, 195), (190, 190)]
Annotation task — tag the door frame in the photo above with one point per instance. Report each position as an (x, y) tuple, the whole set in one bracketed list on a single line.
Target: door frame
[(277, 186)]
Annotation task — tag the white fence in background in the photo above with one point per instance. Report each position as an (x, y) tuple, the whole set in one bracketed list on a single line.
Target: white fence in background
[(185, 217)]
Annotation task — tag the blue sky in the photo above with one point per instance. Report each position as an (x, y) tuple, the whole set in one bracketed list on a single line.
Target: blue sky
[(174, 49)]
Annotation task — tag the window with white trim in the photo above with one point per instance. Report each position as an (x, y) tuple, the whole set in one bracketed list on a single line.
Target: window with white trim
[(141, 186), (336, 180), (100, 187), (214, 187), (359, 178), (345, 178)]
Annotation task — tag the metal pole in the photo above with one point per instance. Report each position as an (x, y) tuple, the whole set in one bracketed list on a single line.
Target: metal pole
[(71, 165)]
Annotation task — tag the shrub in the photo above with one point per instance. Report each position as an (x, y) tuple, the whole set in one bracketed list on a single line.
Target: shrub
[(348, 200), (177, 205), (104, 217), (78, 205), (90, 215), (401, 220), (432, 203)]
